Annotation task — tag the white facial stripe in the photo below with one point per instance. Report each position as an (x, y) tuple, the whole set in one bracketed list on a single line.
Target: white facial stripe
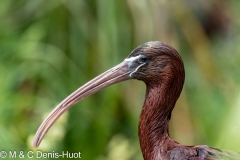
[(132, 58), (136, 69)]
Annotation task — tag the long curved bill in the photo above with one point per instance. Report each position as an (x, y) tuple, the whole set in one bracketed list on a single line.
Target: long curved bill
[(114, 75)]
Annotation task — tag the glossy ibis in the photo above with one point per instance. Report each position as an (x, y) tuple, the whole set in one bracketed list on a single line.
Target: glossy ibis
[(161, 68)]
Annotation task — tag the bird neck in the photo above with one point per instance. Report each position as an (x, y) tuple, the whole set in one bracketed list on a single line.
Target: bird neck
[(155, 115)]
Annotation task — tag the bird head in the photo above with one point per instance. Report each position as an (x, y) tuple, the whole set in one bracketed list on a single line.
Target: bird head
[(152, 62)]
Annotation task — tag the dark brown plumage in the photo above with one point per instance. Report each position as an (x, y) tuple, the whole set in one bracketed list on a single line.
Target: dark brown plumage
[(161, 68)]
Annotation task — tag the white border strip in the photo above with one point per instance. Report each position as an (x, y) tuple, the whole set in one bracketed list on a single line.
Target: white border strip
[(132, 58)]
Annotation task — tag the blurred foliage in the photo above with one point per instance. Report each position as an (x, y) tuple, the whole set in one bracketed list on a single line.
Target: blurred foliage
[(50, 48)]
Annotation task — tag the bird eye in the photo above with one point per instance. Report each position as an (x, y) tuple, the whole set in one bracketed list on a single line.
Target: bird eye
[(142, 59)]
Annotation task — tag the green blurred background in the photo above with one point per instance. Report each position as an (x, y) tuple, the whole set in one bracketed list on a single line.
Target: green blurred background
[(50, 48)]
